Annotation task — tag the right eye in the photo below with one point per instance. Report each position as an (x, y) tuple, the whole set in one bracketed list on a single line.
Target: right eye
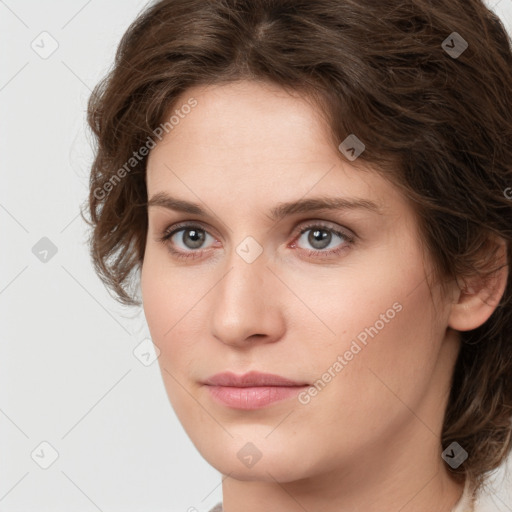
[(192, 238)]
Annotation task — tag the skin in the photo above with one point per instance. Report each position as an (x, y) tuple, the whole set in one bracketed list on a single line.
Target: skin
[(369, 440)]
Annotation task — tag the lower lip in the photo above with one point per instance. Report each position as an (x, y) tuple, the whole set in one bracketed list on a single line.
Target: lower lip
[(254, 397)]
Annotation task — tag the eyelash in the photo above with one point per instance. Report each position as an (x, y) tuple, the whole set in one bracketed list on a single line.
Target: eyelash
[(318, 253)]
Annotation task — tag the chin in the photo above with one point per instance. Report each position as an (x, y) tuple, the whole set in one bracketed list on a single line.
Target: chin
[(272, 466)]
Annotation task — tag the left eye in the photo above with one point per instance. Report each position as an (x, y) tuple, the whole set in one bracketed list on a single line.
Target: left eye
[(320, 237)]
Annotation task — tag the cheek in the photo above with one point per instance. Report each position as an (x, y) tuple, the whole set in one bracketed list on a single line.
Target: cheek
[(388, 353), (379, 330), (163, 295), (156, 303), (161, 299), (171, 307), (366, 389)]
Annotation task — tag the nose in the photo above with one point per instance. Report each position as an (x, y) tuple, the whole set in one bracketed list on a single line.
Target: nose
[(246, 306)]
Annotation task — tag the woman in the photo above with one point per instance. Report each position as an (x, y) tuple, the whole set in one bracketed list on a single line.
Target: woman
[(313, 199)]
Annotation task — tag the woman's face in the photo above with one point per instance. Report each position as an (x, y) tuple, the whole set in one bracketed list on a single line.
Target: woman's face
[(342, 309)]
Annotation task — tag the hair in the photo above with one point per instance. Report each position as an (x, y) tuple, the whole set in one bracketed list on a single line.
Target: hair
[(437, 125)]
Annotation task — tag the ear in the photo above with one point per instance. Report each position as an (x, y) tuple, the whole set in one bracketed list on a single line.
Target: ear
[(479, 297)]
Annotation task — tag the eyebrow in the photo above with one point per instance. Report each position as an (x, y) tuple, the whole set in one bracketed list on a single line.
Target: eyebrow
[(278, 212)]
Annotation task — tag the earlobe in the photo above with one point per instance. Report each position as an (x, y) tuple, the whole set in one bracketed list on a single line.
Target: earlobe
[(477, 299)]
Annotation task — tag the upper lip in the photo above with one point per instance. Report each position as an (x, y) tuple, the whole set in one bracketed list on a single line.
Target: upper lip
[(253, 378)]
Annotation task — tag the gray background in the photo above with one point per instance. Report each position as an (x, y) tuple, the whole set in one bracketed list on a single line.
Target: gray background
[(69, 374)]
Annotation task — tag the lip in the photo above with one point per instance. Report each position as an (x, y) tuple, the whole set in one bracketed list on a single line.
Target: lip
[(250, 379), (252, 390)]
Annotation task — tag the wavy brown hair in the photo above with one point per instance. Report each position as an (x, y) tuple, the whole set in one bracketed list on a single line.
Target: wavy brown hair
[(438, 126)]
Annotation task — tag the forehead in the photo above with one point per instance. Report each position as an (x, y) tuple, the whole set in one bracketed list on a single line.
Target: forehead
[(247, 121), (256, 142)]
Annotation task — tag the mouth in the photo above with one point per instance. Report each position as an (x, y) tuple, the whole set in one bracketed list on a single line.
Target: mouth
[(252, 390)]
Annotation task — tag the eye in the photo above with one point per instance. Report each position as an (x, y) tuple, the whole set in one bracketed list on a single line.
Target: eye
[(192, 238), (320, 238)]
